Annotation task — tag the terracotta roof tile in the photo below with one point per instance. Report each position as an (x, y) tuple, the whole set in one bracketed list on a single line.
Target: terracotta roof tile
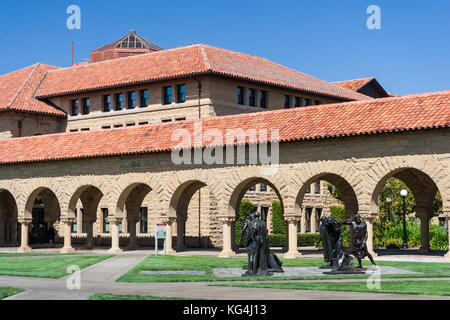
[(182, 62), (407, 113), (17, 91), (355, 84)]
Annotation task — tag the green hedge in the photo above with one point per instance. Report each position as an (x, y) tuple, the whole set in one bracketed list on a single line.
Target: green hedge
[(278, 223), (303, 239), (245, 209), (338, 212)]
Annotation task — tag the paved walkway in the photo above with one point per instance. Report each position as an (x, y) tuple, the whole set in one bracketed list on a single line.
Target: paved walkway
[(101, 277)]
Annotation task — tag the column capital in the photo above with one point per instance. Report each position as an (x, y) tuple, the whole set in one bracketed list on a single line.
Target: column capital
[(292, 219), (116, 220), (25, 221), (227, 220), (169, 220), (67, 220)]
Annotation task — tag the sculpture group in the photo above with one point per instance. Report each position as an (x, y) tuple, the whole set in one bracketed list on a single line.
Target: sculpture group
[(340, 260), (261, 261)]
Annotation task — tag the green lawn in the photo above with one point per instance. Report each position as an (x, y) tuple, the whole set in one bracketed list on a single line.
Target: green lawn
[(46, 267), (427, 287), (36, 254), (207, 264), (107, 296), (8, 291)]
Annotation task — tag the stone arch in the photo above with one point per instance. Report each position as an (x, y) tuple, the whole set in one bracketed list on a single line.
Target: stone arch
[(422, 186), (348, 193), (49, 199), (432, 170), (131, 198), (89, 196)]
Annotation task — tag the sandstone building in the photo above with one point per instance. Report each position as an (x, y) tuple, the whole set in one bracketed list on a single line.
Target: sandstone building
[(132, 96)]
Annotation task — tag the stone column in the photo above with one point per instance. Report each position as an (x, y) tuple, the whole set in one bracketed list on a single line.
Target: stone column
[(132, 244), (67, 235), (369, 223), (115, 235), (313, 222), (303, 222), (424, 234), (25, 224), (292, 234), (169, 244), (181, 233), (226, 223), (89, 234)]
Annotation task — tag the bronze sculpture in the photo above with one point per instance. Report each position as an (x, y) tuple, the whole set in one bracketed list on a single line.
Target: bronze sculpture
[(358, 241), (260, 260)]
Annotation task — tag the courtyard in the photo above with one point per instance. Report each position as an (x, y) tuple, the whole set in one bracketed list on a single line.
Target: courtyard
[(201, 275)]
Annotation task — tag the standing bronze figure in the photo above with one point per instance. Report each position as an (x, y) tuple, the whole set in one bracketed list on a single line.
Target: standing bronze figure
[(260, 259), (358, 241)]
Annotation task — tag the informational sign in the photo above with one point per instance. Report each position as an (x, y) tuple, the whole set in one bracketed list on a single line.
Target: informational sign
[(160, 233)]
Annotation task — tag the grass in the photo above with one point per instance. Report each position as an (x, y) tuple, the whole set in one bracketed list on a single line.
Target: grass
[(207, 264), (8, 291), (107, 296), (36, 254), (426, 287), (46, 267)]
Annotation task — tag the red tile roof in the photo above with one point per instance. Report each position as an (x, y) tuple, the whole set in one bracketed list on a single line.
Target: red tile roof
[(183, 62), (17, 91), (407, 113), (355, 84)]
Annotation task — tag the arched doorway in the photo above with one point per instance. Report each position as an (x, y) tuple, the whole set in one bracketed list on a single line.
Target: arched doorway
[(8, 220)]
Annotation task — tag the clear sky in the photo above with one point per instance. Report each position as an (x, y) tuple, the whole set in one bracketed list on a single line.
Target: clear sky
[(326, 39)]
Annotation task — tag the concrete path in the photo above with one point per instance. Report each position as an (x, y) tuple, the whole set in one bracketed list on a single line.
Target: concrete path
[(101, 277)]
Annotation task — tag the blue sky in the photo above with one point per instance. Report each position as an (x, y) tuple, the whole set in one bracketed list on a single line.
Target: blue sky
[(326, 39)]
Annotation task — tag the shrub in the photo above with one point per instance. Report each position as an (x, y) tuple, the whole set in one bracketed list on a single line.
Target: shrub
[(245, 209), (277, 240), (338, 212), (393, 243), (438, 238), (307, 239), (278, 223)]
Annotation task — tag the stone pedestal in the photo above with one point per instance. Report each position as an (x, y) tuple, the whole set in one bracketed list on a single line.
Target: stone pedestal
[(25, 224), (292, 234), (227, 250)]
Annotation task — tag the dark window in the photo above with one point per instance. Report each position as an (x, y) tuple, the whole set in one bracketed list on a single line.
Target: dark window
[(251, 97), (166, 120), (118, 126), (131, 100), (75, 223), (240, 95), (308, 219), (131, 124), (73, 130), (84, 129), (263, 99), (264, 213), (167, 93), (106, 127), (180, 119), (316, 102), (318, 187), (119, 101), (143, 217), (74, 107), (297, 101), (86, 105), (308, 190), (107, 103), (263, 187), (143, 123), (181, 93), (144, 98), (287, 102), (83, 221), (306, 102), (253, 188), (105, 220)]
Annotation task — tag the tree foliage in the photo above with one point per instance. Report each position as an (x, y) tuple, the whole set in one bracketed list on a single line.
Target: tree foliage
[(278, 223)]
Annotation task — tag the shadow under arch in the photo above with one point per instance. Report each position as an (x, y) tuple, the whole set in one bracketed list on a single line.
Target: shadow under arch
[(8, 219)]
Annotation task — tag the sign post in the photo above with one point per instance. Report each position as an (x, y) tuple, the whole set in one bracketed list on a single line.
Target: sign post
[(160, 233)]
